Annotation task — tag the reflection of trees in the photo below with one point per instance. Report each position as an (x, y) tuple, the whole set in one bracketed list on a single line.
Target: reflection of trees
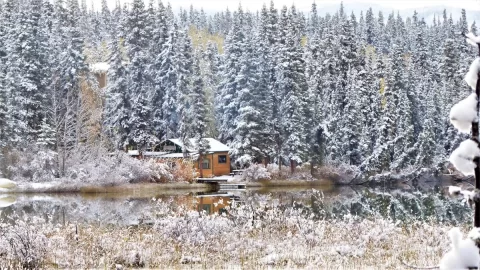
[(395, 205)]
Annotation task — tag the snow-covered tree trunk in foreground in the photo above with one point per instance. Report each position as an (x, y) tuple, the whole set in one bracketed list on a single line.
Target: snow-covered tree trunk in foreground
[(465, 252)]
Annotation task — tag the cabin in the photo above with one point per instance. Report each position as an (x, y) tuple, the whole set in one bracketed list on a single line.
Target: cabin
[(216, 162)]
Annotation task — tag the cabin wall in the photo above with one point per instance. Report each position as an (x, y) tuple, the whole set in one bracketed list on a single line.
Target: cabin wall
[(216, 168), (213, 204)]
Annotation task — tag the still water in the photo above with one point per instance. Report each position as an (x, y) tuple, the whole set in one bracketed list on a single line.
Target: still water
[(401, 204)]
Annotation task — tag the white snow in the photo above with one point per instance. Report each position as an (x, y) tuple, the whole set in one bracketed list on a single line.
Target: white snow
[(464, 113), (474, 234), (462, 157), (215, 145), (472, 75), (100, 67), (453, 190), (41, 185), (133, 152), (6, 183), (472, 39), (463, 254)]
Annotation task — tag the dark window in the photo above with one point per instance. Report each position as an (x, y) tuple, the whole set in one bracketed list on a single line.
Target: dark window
[(206, 208), (206, 164), (222, 159)]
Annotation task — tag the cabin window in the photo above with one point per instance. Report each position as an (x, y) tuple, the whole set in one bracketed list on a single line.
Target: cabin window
[(222, 159), (206, 208), (206, 164)]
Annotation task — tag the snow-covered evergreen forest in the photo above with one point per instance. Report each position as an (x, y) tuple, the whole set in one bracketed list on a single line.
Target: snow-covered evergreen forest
[(372, 91)]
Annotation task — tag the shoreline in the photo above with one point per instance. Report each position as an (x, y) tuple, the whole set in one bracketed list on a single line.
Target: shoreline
[(66, 188)]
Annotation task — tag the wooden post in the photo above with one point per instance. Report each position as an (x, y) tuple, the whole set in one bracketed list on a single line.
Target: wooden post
[(200, 164), (475, 137)]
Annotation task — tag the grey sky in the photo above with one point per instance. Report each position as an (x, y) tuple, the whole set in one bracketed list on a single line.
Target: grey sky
[(253, 5)]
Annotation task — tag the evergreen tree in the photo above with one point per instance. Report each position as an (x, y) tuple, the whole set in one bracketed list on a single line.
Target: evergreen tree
[(118, 101), (138, 82), (293, 86)]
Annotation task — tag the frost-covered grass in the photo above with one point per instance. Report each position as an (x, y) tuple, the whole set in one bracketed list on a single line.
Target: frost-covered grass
[(254, 235)]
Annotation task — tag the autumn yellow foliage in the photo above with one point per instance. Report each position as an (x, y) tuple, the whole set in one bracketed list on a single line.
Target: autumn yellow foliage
[(201, 37)]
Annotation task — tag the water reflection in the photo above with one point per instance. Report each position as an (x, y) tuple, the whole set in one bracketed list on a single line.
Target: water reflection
[(131, 209), (7, 200)]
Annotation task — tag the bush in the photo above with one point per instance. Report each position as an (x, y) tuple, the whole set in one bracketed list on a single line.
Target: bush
[(22, 244), (256, 173), (35, 164), (184, 171), (95, 165)]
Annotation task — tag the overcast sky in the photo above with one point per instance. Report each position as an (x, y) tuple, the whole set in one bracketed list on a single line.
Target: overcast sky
[(253, 5)]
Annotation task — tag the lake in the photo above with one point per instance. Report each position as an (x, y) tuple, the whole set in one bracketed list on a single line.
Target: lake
[(401, 204)]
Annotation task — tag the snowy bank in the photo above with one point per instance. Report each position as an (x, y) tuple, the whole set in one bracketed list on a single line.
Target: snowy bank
[(60, 187)]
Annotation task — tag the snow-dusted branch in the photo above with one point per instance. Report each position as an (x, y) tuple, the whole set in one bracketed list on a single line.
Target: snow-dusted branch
[(472, 75), (472, 39), (463, 157), (464, 113), (469, 196)]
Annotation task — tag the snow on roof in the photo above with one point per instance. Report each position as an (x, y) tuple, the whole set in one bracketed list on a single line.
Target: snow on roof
[(172, 155), (100, 67), (215, 145)]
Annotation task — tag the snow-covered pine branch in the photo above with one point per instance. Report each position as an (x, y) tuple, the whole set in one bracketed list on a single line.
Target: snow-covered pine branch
[(472, 75), (464, 113), (462, 158), (469, 196), (472, 39), (464, 253)]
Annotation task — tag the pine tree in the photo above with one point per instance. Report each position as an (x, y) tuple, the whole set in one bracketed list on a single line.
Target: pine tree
[(138, 83), (292, 86), (160, 36), (118, 101), (167, 78), (229, 89), (184, 58)]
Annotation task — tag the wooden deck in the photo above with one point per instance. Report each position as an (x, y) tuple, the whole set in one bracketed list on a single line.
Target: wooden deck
[(211, 180), (232, 186), (221, 184)]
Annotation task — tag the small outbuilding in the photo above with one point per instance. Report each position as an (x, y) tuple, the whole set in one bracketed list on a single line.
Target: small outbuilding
[(216, 162)]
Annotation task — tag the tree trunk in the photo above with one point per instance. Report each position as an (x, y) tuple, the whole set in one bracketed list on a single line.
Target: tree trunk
[(293, 166), (475, 137), (200, 165)]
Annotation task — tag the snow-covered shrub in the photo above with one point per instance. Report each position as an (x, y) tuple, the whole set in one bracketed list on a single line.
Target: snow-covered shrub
[(277, 173), (183, 171), (328, 173), (94, 165), (160, 172), (98, 166), (35, 164), (255, 172), (23, 244)]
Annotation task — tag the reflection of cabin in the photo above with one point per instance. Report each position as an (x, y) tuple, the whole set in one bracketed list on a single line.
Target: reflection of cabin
[(214, 203), (215, 162)]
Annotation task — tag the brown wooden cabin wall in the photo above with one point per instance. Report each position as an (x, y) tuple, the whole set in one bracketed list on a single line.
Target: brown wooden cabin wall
[(216, 169)]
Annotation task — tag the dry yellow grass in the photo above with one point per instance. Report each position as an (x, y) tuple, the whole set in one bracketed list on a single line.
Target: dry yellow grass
[(271, 241)]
